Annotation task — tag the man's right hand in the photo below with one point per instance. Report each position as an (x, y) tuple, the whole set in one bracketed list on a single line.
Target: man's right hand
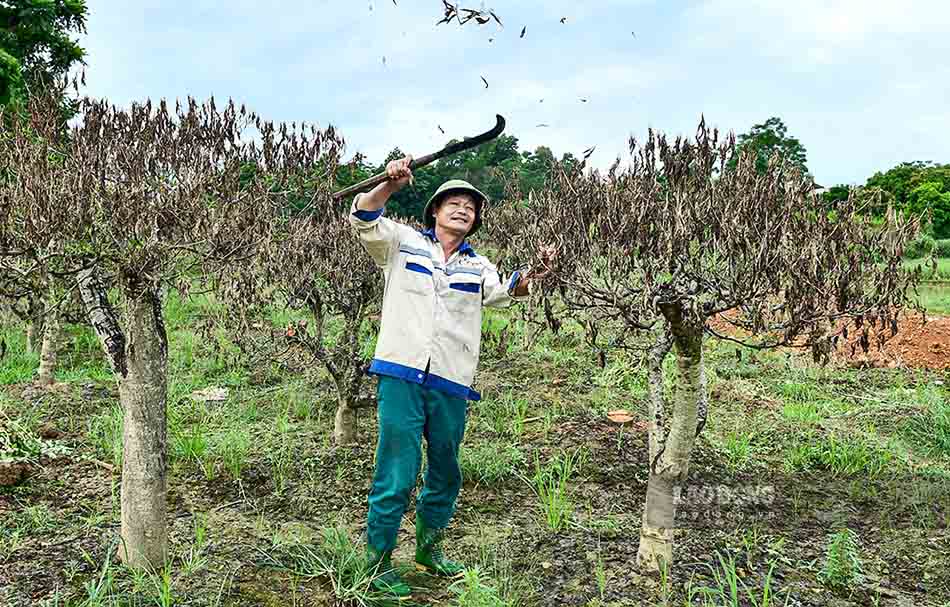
[(399, 173)]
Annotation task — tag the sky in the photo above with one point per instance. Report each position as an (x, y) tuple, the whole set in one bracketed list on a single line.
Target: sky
[(863, 84)]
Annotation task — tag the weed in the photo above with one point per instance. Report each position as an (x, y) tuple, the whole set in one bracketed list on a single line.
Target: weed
[(473, 591), (162, 587), (738, 449), (338, 560), (842, 567), (233, 448), (600, 574), (105, 433), (194, 559), (489, 462), (551, 481), (932, 427), (841, 456), (729, 588)]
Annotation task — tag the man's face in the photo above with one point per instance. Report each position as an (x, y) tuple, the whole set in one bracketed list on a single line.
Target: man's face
[(455, 214)]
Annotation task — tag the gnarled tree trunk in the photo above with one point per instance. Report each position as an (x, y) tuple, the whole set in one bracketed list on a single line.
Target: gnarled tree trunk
[(344, 423), (34, 324), (670, 449), (143, 391), (50, 347), (103, 318)]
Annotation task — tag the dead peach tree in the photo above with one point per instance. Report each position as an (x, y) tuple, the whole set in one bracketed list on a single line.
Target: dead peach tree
[(32, 284), (310, 262), (675, 239), (148, 198)]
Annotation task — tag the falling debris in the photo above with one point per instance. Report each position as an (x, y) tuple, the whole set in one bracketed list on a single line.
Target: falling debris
[(542, 125), (491, 40), (583, 100), (523, 30), (440, 129), (563, 19), (634, 34), (541, 100), (464, 15), (394, 3), (384, 59), (588, 152), (485, 81)]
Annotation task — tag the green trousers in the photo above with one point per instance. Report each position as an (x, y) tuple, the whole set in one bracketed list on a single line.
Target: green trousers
[(407, 412)]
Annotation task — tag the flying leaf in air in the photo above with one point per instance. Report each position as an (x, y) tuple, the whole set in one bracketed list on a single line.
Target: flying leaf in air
[(542, 125), (589, 151), (523, 30), (440, 129), (563, 19), (485, 81)]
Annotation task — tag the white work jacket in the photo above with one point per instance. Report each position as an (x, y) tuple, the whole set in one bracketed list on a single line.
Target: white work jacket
[(431, 324)]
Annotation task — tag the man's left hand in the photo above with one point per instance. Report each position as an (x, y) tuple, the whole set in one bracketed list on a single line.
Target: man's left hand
[(540, 270)]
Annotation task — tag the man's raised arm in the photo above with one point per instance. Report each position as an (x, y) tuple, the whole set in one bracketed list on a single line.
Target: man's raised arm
[(380, 236)]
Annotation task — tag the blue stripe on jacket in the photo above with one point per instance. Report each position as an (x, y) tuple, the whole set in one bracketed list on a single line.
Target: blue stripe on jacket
[(363, 215), (468, 287), (427, 380), (418, 268)]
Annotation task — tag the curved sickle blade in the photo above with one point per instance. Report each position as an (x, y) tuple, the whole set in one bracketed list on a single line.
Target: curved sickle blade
[(471, 142), (452, 148)]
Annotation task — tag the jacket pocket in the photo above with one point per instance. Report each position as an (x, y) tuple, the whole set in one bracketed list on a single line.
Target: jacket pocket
[(463, 296), (416, 276)]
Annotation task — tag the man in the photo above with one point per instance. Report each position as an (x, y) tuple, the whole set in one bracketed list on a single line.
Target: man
[(425, 358)]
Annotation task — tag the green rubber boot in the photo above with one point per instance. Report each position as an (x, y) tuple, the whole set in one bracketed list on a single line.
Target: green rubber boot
[(385, 578), (429, 555)]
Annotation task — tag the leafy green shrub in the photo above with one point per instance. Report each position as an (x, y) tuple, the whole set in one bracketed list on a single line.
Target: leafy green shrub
[(942, 247), (922, 246)]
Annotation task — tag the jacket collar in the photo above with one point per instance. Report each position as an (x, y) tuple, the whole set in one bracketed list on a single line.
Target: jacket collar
[(464, 248)]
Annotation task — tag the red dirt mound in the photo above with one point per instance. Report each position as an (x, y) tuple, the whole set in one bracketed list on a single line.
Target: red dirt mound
[(917, 344)]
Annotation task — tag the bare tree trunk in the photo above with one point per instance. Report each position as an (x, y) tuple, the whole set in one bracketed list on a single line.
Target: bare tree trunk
[(103, 318), (143, 391), (344, 423), (48, 351), (670, 451), (34, 324)]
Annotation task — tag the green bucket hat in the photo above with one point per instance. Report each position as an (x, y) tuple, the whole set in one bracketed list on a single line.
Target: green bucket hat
[(450, 187)]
